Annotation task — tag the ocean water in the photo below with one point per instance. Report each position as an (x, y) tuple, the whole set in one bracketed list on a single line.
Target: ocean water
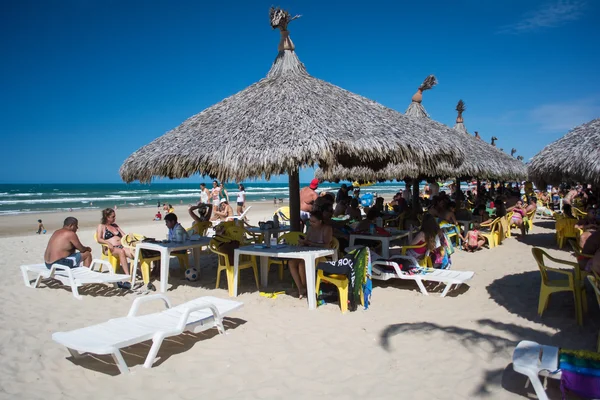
[(28, 198)]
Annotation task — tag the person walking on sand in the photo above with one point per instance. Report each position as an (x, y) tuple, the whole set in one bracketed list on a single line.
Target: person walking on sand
[(308, 195), (241, 199), (215, 194), (63, 244), (204, 193), (41, 228)]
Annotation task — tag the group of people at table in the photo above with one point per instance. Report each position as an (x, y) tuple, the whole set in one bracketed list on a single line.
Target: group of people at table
[(439, 216)]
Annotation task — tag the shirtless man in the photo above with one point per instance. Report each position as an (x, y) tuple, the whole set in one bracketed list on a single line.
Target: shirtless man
[(308, 195), (62, 245)]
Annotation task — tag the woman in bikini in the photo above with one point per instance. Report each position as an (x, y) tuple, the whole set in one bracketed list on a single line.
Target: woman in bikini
[(518, 216), (109, 234), (319, 234)]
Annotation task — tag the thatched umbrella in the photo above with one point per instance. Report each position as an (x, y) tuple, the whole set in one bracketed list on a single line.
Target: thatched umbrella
[(488, 161), (285, 121), (573, 158), (484, 160)]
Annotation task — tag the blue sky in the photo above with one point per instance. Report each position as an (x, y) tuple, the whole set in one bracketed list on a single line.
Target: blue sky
[(85, 83)]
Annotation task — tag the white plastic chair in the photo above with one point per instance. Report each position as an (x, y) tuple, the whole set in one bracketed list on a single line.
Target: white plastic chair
[(532, 360), (441, 276), (109, 337), (73, 277)]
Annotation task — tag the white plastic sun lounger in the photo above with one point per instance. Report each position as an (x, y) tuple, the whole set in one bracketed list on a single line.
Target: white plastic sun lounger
[(242, 215), (442, 276), (532, 360), (73, 277), (111, 336)]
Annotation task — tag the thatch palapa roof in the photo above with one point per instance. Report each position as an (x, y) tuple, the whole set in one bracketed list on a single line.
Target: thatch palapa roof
[(489, 161), (573, 158), (482, 160), (287, 120)]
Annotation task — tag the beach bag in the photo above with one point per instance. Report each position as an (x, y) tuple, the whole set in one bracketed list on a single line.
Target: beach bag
[(580, 373)]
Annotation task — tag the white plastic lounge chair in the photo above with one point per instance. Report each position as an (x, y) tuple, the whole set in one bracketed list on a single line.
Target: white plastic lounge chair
[(111, 336), (442, 276), (73, 277), (242, 215), (532, 360)]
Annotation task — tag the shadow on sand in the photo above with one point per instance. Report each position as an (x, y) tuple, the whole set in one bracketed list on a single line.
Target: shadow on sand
[(502, 341)]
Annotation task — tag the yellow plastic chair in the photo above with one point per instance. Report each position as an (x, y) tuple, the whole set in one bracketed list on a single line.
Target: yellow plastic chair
[(510, 224), (577, 213), (341, 283), (290, 238), (145, 263), (423, 262), (283, 213), (223, 265), (493, 235), (199, 228), (595, 281), (565, 229), (107, 255), (530, 217), (504, 229), (338, 280), (573, 283)]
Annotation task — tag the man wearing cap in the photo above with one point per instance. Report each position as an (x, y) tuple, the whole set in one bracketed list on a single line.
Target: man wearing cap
[(308, 195), (224, 212)]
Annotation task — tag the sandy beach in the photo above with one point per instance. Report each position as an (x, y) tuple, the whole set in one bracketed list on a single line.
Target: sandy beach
[(405, 345)]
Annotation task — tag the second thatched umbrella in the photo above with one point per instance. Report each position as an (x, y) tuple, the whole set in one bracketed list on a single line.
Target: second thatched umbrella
[(573, 158), (285, 121), (485, 161)]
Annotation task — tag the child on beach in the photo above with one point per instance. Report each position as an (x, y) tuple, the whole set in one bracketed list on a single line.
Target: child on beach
[(475, 240), (41, 228)]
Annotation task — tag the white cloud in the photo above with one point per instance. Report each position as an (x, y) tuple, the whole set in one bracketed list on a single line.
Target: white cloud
[(564, 116), (551, 15)]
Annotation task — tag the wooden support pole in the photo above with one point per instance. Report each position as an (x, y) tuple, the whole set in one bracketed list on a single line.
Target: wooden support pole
[(294, 185)]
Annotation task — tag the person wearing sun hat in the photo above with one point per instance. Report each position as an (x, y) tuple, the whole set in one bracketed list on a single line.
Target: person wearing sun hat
[(308, 195)]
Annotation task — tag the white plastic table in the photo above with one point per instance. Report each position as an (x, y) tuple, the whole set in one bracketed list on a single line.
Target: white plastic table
[(395, 234), (165, 250), (306, 253)]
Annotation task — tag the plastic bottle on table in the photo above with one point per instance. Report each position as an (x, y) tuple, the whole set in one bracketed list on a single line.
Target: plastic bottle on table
[(275, 221), (372, 229)]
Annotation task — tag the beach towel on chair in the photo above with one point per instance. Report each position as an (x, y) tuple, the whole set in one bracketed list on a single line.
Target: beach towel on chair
[(580, 373), (355, 266)]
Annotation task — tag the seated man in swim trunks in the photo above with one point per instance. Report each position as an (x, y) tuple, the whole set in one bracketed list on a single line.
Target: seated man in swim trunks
[(62, 245)]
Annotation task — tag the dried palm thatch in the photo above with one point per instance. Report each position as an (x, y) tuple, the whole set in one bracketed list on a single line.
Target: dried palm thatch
[(573, 158), (483, 161), (288, 120)]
